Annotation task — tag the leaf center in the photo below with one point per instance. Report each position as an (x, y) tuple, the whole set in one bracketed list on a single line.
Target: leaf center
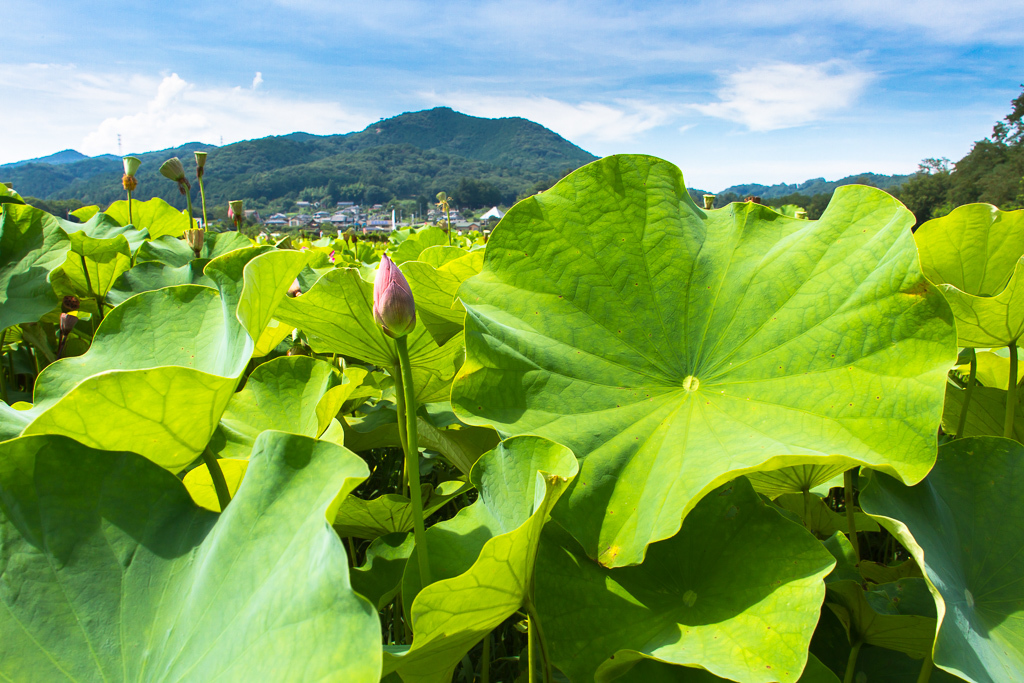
[(691, 383)]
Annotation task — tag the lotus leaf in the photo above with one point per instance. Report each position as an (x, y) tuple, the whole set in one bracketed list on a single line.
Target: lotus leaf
[(155, 215), (654, 671), (200, 484), (435, 291), (986, 413), (31, 245), (112, 573), (92, 265), (974, 255), (674, 349), (683, 604), (174, 252), (413, 245), (819, 518), (151, 275), (391, 513), (963, 526), (337, 317), (164, 364), (482, 560), (797, 479), (380, 577)]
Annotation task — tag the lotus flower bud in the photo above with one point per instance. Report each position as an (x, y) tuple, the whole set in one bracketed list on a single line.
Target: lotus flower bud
[(236, 211), (709, 201), (69, 304), (173, 169), (200, 163), (393, 306), (295, 289), (67, 323), (131, 165), (194, 239)]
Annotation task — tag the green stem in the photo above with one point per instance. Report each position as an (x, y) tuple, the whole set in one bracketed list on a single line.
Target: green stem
[(3, 385), (217, 475), (448, 221), (412, 461), (848, 501), (534, 625), (967, 395), (851, 664), (130, 221), (1011, 392), (396, 373), (88, 285), (202, 194), (531, 651), (188, 197), (485, 665), (926, 669)]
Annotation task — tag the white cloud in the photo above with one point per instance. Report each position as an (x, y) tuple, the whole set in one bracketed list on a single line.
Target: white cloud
[(257, 80), (61, 106), (619, 121), (786, 95)]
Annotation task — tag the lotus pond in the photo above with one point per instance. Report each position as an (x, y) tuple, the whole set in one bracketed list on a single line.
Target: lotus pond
[(627, 439)]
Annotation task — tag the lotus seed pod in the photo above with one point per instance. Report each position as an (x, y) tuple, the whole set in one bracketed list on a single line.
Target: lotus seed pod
[(194, 239), (393, 306), (70, 303), (709, 201), (173, 169), (200, 163), (129, 182), (131, 165)]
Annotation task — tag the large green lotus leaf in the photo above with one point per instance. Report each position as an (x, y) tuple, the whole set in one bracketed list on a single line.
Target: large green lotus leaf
[(974, 254), (993, 370), (274, 333), (986, 413), (440, 255), (674, 349), (964, 526), (417, 242), (150, 275), (100, 226), (163, 365), (797, 479), (380, 577), (435, 291), (9, 196), (111, 573), (155, 215), (282, 394), (93, 265), (649, 670), (735, 592), (461, 447), (31, 245), (482, 560), (174, 252), (337, 317)]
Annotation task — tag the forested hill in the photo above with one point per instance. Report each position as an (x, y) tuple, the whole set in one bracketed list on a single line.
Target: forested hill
[(414, 155), (817, 186)]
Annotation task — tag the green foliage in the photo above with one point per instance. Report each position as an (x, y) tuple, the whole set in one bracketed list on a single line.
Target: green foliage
[(665, 372)]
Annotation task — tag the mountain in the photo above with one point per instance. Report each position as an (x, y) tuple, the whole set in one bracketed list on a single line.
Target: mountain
[(816, 186), (413, 155), (67, 156)]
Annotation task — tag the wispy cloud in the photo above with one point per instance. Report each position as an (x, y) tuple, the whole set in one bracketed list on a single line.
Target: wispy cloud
[(89, 111), (786, 95), (619, 120)]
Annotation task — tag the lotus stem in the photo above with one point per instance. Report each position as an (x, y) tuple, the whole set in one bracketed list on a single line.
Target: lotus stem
[(926, 669), (848, 500), (535, 642), (188, 198), (220, 485), (3, 384), (396, 373), (851, 664), (1011, 392), (485, 664), (412, 461), (88, 285), (130, 221), (962, 423), (202, 195)]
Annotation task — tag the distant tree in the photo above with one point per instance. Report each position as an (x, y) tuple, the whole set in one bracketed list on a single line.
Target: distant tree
[(927, 193)]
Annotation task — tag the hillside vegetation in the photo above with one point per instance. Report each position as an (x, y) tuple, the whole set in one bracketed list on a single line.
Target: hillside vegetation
[(410, 156)]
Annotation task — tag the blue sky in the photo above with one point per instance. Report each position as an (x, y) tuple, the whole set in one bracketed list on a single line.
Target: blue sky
[(730, 92)]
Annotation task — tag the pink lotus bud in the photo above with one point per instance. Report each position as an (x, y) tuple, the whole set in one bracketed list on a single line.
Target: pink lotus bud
[(67, 323), (393, 306)]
